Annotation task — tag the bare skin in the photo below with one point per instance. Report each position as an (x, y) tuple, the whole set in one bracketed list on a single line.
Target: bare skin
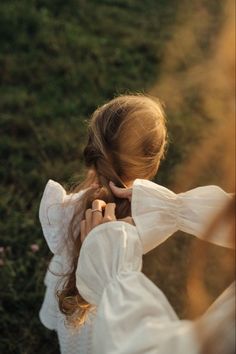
[(99, 214), (125, 193)]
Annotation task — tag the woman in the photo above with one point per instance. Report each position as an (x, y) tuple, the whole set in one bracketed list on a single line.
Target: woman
[(133, 315), (126, 140)]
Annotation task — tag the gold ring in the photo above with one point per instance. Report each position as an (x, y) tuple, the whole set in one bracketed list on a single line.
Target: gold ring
[(93, 210)]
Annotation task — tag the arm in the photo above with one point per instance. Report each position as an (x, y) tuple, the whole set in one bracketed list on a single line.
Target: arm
[(55, 213), (158, 212), (132, 313)]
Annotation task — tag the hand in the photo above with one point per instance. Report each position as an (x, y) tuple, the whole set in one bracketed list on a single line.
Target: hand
[(99, 214), (121, 192)]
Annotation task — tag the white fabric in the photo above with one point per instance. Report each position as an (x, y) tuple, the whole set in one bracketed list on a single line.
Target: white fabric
[(218, 323), (55, 213), (115, 283), (127, 258), (133, 315), (158, 212)]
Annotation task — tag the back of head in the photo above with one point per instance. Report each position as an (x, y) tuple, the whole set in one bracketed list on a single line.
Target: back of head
[(126, 140)]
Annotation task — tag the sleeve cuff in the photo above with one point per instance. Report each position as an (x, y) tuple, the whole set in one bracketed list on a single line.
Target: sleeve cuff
[(154, 215), (158, 212), (55, 213), (108, 252)]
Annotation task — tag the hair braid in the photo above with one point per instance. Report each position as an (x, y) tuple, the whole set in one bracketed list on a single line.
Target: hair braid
[(126, 140)]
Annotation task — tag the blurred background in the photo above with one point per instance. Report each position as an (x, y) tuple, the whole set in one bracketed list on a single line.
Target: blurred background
[(59, 60)]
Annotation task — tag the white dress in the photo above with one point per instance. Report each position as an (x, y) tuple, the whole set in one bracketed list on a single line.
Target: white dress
[(133, 315), (55, 213), (158, 213)]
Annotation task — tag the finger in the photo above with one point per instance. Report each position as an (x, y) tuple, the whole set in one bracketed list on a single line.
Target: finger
[(88, 218), (129, 220), (82, 230), (97, 215), (109, 214), (98, 204), (121, 192)]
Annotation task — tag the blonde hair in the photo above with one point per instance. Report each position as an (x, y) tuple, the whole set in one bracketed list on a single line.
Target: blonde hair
[(126, 140)]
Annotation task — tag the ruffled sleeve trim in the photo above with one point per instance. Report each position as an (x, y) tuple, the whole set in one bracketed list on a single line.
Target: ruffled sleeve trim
[(55, 213), (109, 252), (130, 309), (158, 212)]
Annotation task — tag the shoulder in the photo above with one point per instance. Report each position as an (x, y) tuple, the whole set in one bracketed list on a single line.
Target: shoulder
[(56, 211), (55, 201)]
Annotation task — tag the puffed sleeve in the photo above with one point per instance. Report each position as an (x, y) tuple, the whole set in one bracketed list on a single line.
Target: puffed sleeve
[(133, 315), (55, 213), (158, 212)]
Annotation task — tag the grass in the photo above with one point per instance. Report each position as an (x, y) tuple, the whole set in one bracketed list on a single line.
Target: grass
[(59, 60)]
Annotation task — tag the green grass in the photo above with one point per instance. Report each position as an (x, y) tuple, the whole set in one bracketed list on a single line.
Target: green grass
[(59, 60)]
